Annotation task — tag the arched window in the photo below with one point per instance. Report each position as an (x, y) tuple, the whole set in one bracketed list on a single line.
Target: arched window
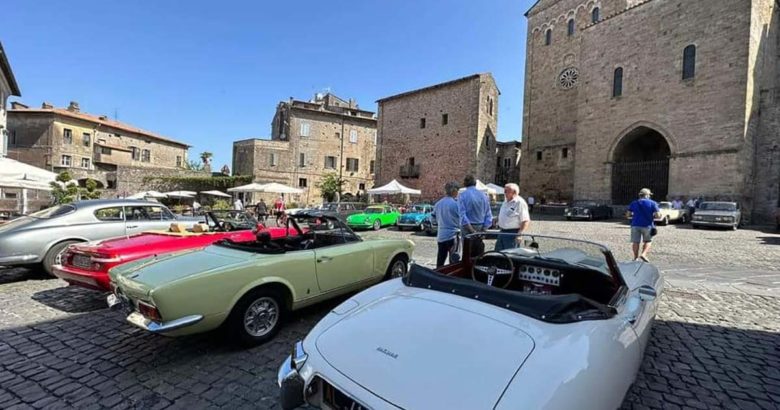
[(689, 62), (617, 82), (570, 28), (594, 15), (548, 37)]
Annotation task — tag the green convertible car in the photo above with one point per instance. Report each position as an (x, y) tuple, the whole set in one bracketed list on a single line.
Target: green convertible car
[(249, 287), (374, 217)]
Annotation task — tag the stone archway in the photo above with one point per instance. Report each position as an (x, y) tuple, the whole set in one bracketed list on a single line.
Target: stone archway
[(640, 160)]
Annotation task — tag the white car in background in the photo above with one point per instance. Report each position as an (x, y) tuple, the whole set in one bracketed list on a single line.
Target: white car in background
[(553, 324)]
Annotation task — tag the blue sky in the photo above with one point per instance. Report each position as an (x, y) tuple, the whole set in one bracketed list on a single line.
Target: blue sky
[(209, 72)]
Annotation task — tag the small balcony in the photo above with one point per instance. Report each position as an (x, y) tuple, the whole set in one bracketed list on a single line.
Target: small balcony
[(410, 171)]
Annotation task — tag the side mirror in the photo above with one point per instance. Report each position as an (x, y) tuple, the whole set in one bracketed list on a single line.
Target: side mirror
[(647, 293)]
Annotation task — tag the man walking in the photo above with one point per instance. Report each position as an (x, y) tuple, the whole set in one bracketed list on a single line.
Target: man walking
[(691, 204), (531, 202), (238, 205), (513, 218), (261, 209), (643, 212), (474, 207), (448, 219)]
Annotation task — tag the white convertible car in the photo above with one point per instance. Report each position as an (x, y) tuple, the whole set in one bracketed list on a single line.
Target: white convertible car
[(550, 324)]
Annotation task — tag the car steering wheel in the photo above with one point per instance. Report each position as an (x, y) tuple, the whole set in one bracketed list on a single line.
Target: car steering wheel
[(492, 264)]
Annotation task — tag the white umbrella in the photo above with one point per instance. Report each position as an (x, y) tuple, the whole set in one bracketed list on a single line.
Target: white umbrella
[(497, 189), (15, 174), (180, 194), (216, 193), (278, 188), (253, 187), (147, 194), (484, 188), (394, 187)]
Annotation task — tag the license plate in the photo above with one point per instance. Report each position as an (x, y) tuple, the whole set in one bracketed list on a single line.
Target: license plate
[(82, 261), (337, 400)]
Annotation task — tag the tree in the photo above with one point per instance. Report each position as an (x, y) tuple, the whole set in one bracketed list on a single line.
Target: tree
[(205, 156), (65, 190), (193, 165), (91, 191), (330, 185)]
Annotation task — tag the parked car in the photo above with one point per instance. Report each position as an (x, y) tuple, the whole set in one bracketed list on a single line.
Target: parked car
[(250, 287), (557, 324), (586, 209), (374, 217), (87, 264), (415, 217), (669, 214), (717, 214), (430, 225), (342, 209), (40, 238)]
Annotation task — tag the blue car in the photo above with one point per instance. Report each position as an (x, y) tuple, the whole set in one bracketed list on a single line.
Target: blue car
[(415, 217)]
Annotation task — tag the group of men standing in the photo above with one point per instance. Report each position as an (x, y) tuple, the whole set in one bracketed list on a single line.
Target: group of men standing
[(469, 212)]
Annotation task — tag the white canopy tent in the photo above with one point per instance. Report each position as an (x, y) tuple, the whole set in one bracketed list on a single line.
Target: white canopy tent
[(481, 186), (393, 187), (497, 189), (253, 187), (18, 175), (277, 188), (180, 194), (216, 193)]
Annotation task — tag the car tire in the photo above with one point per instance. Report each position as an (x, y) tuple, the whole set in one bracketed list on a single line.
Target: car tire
[(53, 256), (400, 228), (268, 311), (420, 228), (397, 268), (377, 225)]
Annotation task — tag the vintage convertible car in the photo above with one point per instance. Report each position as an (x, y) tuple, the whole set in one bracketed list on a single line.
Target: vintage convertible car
[(250, 287), (669, 214), (590, 210), (717, 214), (40, 238), (415, 217), (87, 264), (374, 217), (554, 324)]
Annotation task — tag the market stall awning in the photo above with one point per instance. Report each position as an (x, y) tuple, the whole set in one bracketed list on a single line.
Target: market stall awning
[(394, 187)]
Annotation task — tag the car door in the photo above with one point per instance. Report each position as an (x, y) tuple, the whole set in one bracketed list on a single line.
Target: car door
[(112, 223), (139, 219), (340, 265), (160, 217)]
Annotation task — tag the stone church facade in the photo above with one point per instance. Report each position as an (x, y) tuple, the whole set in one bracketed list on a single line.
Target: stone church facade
[(678, 96)]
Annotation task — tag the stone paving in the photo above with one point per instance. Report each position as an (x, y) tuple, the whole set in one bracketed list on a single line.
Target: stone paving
[(60, 347)]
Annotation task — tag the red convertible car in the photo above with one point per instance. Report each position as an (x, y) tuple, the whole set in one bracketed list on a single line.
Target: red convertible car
[(87, 264)]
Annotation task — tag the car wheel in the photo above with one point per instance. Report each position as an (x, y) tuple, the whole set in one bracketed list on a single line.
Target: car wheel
[(736, 225), (665, 221), (397, 267), (420, 228), (684, 219), (377, 225), (54, 254), (400, 228), (257, 317)]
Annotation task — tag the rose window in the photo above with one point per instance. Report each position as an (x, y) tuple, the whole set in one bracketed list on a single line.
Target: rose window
[(568, 78)]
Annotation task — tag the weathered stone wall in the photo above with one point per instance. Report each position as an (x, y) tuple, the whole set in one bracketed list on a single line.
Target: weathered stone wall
[(487, 129), (443, 152), (508, 152)]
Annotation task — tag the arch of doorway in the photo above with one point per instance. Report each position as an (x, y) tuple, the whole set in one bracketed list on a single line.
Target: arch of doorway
[(655, 127)]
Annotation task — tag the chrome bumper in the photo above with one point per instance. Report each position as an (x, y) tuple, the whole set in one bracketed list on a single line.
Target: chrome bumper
[(409, 224), (710, 223), (291, 384), (18, 259), (137, 319), (578, 216)]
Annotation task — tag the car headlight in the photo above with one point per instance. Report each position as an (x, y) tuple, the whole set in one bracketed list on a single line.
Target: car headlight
[(566, 210), (697, 217)]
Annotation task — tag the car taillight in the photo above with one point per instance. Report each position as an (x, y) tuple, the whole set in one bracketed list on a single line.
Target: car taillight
[(148, 311)]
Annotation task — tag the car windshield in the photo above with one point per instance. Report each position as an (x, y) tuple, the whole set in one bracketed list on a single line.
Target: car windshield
[(371, 210), (585, 203), (718, 206), (329, 207), (665, 205), (231, 220), (53, 212), (420, 209)]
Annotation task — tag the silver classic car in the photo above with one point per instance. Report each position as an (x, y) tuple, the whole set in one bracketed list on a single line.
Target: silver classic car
[(718, 214), (40, 238)]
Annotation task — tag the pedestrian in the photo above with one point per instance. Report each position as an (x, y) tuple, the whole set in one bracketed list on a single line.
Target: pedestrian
[(691, 204), (474, 209), (238, 205), (513, 218), (677, 203), (195, 207), (531, 202), (643, 213), (261, 210), (279, 209), (448, 220)]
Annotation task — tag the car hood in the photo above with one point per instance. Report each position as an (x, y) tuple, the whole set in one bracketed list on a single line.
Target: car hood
[(715, 213), (162, 270), (414, 215), (358, 217), (401, 344)]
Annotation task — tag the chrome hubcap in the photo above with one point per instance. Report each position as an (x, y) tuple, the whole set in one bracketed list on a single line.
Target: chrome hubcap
[(261, 316), (399, 269)]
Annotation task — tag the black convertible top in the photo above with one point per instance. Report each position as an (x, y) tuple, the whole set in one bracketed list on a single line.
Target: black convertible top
[(547, 308)]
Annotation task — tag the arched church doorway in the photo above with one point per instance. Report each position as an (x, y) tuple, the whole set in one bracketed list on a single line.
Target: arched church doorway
[(640, 160)]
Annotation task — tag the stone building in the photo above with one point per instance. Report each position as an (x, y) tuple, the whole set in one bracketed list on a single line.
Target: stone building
[(89, 146), (508, 162), (8, 87), (310, 139), (678, 96), (440, 133)]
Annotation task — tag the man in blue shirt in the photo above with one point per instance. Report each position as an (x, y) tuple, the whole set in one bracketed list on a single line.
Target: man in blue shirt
[(474, 207), (448, 219), (643, 212)]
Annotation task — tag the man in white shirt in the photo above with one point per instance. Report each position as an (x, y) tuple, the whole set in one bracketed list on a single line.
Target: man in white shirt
[(691, 204), (513, 218), (238, 205)]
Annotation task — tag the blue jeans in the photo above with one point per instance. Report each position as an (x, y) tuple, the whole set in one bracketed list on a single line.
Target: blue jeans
[(507, 239)]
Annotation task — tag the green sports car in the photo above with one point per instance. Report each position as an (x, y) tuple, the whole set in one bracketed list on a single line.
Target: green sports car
[(250, 287), (374, 217)]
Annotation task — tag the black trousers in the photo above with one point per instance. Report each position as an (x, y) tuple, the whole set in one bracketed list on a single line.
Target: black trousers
[(444, 251)]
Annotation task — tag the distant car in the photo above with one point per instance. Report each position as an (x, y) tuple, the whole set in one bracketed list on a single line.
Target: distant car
[(669, 214), (415, 217), (717, 214), (251, 287), (586, 209), (430, 225), (87, 264), (41, 237), (374, 217), (341, 209)]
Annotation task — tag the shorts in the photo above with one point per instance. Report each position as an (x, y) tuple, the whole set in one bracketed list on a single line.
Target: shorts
[(641, 234)]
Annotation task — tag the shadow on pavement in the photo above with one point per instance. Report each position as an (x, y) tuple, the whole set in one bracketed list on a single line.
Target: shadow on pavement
[(770, 240), (72, 299), (14, 274)]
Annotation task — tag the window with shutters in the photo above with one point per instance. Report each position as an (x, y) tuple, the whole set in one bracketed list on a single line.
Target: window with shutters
[(65, 160), (86, 139), (67, 136), (352, 164), (330, 162), (353, 136), (305, 128), (146, 156), (135, 152), (85, 163)]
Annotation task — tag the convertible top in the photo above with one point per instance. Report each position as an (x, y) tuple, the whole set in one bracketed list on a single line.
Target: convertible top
[(547, 308)]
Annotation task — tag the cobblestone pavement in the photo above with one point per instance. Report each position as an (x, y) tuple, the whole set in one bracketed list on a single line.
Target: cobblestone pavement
[(60, 347)]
